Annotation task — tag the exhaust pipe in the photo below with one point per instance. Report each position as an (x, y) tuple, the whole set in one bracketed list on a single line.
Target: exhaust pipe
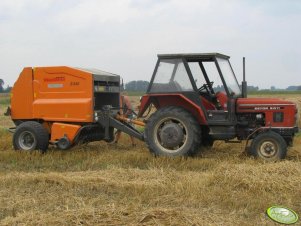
[(244, 85)]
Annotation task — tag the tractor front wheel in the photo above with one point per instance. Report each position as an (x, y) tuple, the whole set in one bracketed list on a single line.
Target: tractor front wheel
[(30, 136), (268, 146), (172, 131)]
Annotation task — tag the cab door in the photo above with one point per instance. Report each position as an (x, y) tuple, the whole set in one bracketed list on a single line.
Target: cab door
[(209, 85)]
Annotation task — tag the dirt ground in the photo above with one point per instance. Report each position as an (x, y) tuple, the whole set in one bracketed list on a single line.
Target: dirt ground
[(102, 184)]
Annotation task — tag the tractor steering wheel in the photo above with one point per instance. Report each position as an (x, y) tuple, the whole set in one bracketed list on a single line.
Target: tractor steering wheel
[(206, 87)]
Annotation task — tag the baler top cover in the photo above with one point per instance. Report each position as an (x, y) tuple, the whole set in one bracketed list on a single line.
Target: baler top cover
[(100, 75)]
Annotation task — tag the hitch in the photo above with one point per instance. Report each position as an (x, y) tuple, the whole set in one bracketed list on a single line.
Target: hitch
[(128, 120), (12, 129), (108, 118), (126, 128)]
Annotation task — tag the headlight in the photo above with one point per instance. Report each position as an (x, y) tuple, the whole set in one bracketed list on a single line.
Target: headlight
[(96, 116)]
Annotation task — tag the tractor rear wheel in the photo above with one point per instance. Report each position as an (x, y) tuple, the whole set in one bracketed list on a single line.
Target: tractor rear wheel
[(30, 136), (172, 131), (268, 146)]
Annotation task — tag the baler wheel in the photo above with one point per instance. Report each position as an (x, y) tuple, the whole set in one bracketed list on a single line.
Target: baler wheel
[(173, 131), (30, 136), (64, 143), (268, 146)]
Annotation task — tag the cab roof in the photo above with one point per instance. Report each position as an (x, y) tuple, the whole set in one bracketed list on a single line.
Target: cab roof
[(192, 55)]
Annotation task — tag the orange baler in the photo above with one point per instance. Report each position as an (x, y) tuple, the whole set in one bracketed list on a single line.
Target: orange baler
[(65, 106)]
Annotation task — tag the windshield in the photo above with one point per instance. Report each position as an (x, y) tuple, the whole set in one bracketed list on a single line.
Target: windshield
[(229, 77), (210, 71)]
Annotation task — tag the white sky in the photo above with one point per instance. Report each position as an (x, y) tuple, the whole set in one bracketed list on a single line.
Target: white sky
[(124, 36)]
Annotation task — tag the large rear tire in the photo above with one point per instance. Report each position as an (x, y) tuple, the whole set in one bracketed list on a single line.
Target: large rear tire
[(172, 131), (268, 146), (30, 136)]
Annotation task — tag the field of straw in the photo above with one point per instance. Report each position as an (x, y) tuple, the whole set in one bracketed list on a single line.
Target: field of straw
[(101, 184)]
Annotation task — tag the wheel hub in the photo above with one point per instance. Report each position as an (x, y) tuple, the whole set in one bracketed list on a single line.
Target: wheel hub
[(27, 140), (171, 135), (268, 149)]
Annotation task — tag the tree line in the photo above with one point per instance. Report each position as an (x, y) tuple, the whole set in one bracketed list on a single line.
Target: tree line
[(141, 86), (137, 86), (2, 88)]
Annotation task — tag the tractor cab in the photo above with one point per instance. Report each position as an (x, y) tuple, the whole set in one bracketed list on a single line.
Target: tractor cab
[(206, 79)]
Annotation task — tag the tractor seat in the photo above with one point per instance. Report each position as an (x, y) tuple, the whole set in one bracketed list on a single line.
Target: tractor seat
[(222, 99), (219, 101), (207, 104)]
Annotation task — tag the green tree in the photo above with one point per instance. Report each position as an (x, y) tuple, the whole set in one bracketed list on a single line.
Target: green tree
[(1, 85), (7, 89), (137, 86)]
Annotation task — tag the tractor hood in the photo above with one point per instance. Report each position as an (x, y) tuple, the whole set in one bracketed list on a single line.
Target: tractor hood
[(262, 104), (276, 112)]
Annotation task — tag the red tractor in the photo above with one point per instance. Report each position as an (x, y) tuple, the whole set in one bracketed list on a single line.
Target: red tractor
[(199, 100)]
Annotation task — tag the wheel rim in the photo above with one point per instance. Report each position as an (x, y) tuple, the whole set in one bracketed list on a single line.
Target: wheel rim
[(27, 141), (268, 149), (170, 135)]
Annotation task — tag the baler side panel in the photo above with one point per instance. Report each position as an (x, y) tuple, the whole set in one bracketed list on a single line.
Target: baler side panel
[(63, 94), (22, 96)]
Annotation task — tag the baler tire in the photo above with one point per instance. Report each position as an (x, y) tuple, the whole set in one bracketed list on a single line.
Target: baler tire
[(268, 146), (182, 120), (35, 133)]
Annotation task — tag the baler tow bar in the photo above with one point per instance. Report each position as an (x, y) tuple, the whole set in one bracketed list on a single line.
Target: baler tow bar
[(128, 120), (118, 121)]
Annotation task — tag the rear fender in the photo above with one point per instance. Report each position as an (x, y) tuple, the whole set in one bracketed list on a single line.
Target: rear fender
[(179, 100)]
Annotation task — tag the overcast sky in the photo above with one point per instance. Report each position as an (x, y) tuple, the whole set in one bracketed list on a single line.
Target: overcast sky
[(124, 36)]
